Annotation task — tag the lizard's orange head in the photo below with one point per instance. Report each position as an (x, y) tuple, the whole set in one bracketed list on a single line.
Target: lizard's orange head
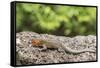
[(35, 42)]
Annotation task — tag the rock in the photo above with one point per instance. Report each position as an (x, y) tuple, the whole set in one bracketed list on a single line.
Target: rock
[(26, 54)]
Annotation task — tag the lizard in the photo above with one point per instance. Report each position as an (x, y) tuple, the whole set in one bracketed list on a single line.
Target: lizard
[(55, 44)]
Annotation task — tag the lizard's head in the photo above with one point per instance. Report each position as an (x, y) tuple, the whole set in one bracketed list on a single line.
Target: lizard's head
[(35, 42), (38, 42)]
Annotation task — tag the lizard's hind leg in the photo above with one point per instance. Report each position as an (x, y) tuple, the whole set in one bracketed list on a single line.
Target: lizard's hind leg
[(61, 50)]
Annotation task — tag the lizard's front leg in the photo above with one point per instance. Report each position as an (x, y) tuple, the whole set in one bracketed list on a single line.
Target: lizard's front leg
[(44, 47)]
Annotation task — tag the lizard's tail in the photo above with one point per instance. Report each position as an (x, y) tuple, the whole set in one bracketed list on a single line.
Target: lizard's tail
[(67, 49)]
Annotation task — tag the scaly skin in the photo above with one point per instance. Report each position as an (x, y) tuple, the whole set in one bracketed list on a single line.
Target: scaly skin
[(55, 44)]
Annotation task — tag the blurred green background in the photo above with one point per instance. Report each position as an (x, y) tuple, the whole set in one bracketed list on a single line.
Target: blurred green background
[(56, 19)]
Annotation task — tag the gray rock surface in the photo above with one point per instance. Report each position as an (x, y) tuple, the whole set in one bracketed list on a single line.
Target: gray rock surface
[(26, 54)]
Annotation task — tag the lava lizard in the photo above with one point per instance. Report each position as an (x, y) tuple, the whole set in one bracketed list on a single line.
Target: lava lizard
[(55, 44)]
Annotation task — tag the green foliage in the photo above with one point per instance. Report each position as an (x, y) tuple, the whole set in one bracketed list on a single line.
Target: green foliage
[(56, 19)]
